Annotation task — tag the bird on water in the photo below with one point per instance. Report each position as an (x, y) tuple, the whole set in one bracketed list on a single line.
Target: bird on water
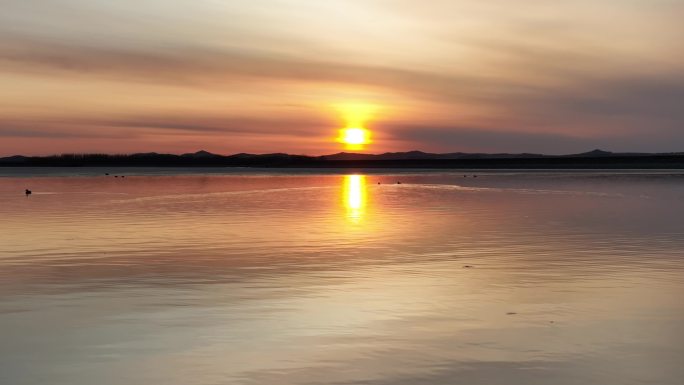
[(27, 192)]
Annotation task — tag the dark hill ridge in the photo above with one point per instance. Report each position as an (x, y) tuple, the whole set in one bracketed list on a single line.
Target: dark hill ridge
[(14, 159), (594, 153), (424, 155), (200, 154), (412, 159)]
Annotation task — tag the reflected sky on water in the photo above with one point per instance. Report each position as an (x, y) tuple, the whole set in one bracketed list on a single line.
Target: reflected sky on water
[(507, 278)]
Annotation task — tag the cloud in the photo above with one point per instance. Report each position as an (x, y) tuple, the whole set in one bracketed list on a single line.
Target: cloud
[(203, 67), (456, 138), (122, 126), (543, 71), (51, 129), (517, 140), (659, 97), (529, 74)]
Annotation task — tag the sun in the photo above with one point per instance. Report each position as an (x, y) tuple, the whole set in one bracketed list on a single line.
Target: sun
[(355, 136)]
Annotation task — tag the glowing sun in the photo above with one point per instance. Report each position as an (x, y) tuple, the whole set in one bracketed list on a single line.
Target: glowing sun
[(355, 136)]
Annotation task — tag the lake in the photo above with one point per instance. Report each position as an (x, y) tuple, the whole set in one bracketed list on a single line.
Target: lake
[(199, 277)]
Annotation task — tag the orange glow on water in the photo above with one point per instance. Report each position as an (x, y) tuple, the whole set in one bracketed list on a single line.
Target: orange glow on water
[(355, 197)]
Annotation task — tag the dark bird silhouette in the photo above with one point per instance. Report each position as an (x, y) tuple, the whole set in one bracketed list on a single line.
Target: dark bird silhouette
[(28, 192)]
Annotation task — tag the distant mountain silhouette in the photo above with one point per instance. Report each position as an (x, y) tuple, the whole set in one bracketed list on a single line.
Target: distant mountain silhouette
[(200, 154), (596, 152), (13, 159), (411, 159), (462, 155)]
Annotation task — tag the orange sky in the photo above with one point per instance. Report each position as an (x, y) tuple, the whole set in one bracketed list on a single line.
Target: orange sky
[(267, 76)]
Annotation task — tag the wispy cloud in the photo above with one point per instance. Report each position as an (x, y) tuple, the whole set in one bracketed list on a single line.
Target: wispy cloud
[(527, 76)]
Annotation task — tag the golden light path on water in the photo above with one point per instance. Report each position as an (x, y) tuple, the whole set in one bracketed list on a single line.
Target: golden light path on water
[(355, 197)]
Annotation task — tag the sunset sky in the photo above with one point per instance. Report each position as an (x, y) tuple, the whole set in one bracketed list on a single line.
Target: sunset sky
[(280, 75)]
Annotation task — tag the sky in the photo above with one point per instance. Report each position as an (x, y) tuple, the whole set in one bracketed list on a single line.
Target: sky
[(262, 76)]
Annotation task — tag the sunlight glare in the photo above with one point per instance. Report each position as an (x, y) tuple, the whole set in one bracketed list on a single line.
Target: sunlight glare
[(354, 134), (355, 196)]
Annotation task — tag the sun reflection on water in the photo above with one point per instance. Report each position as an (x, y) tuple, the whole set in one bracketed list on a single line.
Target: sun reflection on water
[(355, 197)]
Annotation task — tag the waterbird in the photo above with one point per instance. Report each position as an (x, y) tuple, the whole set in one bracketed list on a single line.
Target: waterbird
[(28, 192)]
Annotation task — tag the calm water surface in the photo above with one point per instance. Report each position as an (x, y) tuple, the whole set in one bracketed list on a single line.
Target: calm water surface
[(284, 278)]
